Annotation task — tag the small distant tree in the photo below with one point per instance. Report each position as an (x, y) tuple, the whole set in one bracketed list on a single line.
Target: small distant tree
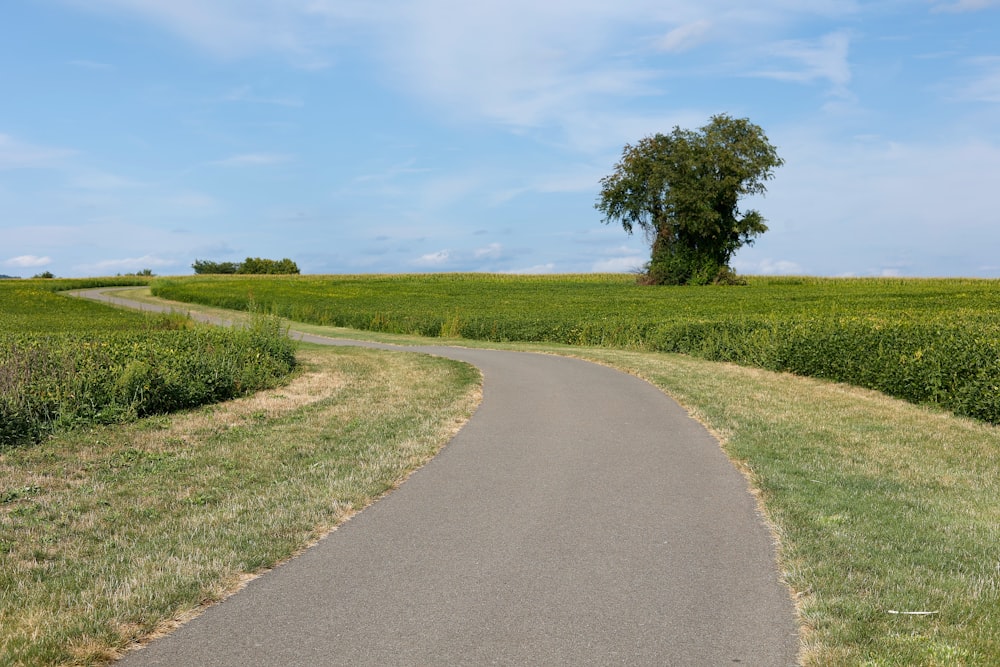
[(44, 274), (260, 265), (683, 190), (204, 266)]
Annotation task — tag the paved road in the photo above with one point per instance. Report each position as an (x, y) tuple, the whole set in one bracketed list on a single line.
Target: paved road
[(579, 518)]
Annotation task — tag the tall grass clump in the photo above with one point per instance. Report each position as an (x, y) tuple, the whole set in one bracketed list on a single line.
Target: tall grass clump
[(56, 381), (89, 364)]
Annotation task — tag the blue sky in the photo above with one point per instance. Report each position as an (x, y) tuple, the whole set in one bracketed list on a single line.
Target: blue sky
[(454, 135)]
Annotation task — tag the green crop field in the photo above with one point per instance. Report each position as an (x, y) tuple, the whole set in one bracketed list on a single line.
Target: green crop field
[(66, 362), (926, 341)]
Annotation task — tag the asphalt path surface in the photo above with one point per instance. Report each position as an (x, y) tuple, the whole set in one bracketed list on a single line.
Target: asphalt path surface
[(581, 517)]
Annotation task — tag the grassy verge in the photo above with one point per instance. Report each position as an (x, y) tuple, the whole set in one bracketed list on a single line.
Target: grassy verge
[(882, 508), (110, 534)]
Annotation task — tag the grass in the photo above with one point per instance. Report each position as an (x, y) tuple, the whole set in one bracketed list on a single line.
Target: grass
[(35, 307), (113, 533), (69, 362)]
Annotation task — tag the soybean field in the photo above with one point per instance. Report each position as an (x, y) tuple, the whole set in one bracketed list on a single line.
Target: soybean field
[(65, 362), (928, 341)]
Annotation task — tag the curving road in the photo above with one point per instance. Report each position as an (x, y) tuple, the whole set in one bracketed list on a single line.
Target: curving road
[(579, 518)]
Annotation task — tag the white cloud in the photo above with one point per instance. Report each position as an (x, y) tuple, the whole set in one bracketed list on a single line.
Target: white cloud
[(28, 261), (433, 259), (860, 207), (492, 251), (769, 267), (519, 63), (533, 270), (821, 59), (627, 264), (528, 64), (685, 37), (522, 64)]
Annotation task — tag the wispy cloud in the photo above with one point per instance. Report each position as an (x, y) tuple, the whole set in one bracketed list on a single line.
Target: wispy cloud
[(685, 37), (548, 267), (769, 267), (522, 64), (92, 179), (892, 216), (434, 258), (985, 85), (27, 262), (814, 60), (16, 154), (492, 251), (624, 264), (229, 28), (253, 160), (966, 6)]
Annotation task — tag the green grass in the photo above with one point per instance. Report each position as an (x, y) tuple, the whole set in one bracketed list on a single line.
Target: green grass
[(68, 362), (36, 307), (109, 534), (926, 341)]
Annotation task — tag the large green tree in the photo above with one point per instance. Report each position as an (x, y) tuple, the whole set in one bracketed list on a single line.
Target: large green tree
[(683, 190)]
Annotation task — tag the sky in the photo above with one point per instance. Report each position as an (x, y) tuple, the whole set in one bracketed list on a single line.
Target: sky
[(399, 136)]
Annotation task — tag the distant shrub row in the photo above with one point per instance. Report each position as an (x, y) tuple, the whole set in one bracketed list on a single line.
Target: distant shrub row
[(926, 341), (57, 380), (251, 265)]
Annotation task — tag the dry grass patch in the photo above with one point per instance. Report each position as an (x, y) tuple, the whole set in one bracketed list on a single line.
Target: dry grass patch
[(111, 534)]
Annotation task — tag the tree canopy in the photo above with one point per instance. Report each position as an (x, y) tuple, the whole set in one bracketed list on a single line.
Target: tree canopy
[(251, 265), (683, 190)]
